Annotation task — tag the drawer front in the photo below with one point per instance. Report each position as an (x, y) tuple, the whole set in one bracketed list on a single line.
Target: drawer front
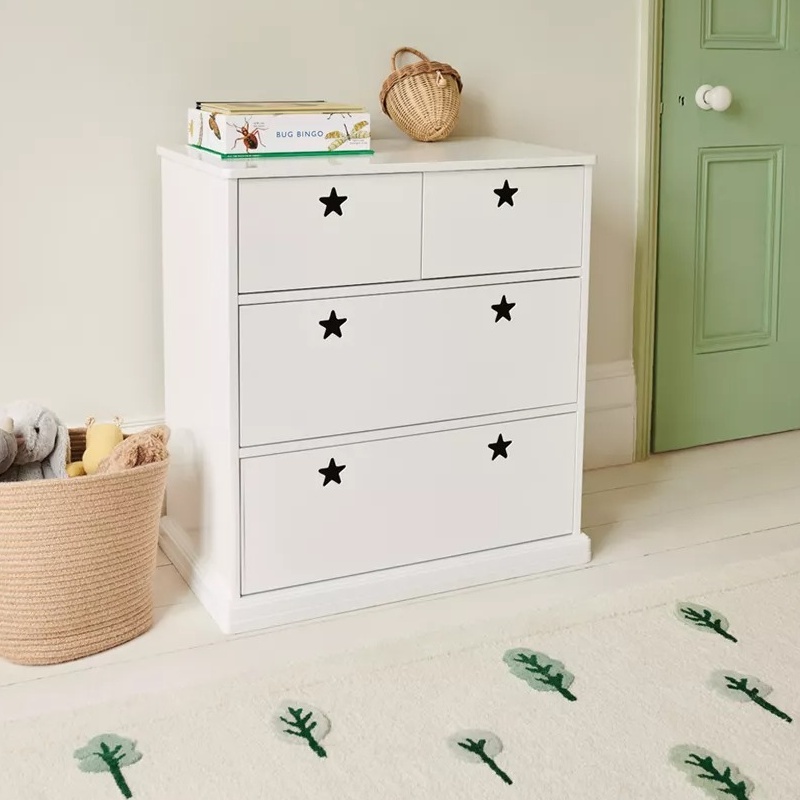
[(326, 367), (296, 233), (489, 221), (331, 512)]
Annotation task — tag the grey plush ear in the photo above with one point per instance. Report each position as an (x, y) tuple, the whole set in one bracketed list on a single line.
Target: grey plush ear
[(55, 465), (8, 449), (46, 433)]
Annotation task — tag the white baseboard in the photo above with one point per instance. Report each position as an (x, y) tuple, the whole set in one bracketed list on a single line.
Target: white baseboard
[(136, 425), (128, 425), (296, 604), (610, 415), (178, 549)]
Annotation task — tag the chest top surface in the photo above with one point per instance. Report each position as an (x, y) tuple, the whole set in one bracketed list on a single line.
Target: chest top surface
[(391, 155)]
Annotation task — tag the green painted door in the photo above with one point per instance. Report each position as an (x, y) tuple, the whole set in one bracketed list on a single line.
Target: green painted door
[(727, 357)]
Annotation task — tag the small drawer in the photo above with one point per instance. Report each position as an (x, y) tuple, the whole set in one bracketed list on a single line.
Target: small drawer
[(298, 233), (350, 364), (337, 511), (489, 221)]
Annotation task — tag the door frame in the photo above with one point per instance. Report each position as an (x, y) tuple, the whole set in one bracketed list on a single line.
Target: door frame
[(646, 256)]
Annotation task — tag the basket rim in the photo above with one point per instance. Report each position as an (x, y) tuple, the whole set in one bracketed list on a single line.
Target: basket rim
[(47, 484), (412, 70)]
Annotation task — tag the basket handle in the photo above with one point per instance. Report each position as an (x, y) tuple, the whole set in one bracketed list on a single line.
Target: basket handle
[(406, 50)]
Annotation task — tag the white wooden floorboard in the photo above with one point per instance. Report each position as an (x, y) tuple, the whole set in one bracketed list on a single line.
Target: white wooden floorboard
[(687, 527), (650, 499), (669, 516), (169, 588), (697, 462)]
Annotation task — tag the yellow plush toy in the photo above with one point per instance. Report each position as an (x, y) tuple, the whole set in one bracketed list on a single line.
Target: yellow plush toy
[(101, 439), (75, 469)]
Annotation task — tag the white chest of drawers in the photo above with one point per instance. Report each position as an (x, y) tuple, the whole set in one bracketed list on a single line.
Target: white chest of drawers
[(374, 373)]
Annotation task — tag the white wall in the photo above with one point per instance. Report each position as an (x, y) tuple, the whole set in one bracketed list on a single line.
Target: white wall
[(89, 87)]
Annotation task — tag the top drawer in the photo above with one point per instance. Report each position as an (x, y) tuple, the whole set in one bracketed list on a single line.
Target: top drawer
[(507, 220), (298, 233)]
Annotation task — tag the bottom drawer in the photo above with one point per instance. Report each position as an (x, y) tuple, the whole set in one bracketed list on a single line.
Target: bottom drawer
[(335, 511)]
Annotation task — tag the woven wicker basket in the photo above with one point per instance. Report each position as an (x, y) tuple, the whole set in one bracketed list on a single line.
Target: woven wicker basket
[(77, 559), (423, 99)]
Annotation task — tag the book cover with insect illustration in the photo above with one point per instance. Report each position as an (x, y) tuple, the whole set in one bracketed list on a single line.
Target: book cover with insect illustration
[(256, 129)]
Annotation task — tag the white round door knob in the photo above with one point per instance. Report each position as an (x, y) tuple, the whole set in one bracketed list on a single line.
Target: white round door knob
[(716, 98)]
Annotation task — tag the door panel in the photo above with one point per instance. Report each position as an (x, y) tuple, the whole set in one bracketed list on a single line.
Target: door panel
[(745, 24), (727, 359), (737, 308)]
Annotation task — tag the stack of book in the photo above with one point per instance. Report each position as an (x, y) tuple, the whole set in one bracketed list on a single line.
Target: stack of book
[(279, 128)]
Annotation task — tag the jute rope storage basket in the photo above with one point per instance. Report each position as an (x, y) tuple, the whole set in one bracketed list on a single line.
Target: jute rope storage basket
[(423, 99), (77, 559)]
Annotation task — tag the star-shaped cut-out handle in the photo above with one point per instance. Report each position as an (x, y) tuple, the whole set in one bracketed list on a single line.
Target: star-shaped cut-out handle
[(332, 473), (333, 325), (333, 202), (500, 447), (505, 194), (503, 309)]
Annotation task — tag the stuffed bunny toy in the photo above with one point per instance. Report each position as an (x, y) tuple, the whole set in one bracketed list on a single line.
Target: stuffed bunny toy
[(42, 443), (8, 444)]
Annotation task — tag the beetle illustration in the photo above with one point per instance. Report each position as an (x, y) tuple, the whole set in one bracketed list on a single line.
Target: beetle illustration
[(212, 123), (251, 136)]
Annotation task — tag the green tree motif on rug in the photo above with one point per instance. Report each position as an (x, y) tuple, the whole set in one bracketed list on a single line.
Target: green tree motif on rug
[(540, 672), (301, 723), (711, 773), (479, 747), (705, 619), (746, 689), (109, 753)]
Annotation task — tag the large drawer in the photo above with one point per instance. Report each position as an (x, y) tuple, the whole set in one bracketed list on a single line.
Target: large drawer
[(350, 364), (296, 233), (506, 220), (329, 512)]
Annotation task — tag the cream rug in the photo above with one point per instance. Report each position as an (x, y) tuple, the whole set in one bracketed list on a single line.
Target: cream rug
[(689, 689)]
